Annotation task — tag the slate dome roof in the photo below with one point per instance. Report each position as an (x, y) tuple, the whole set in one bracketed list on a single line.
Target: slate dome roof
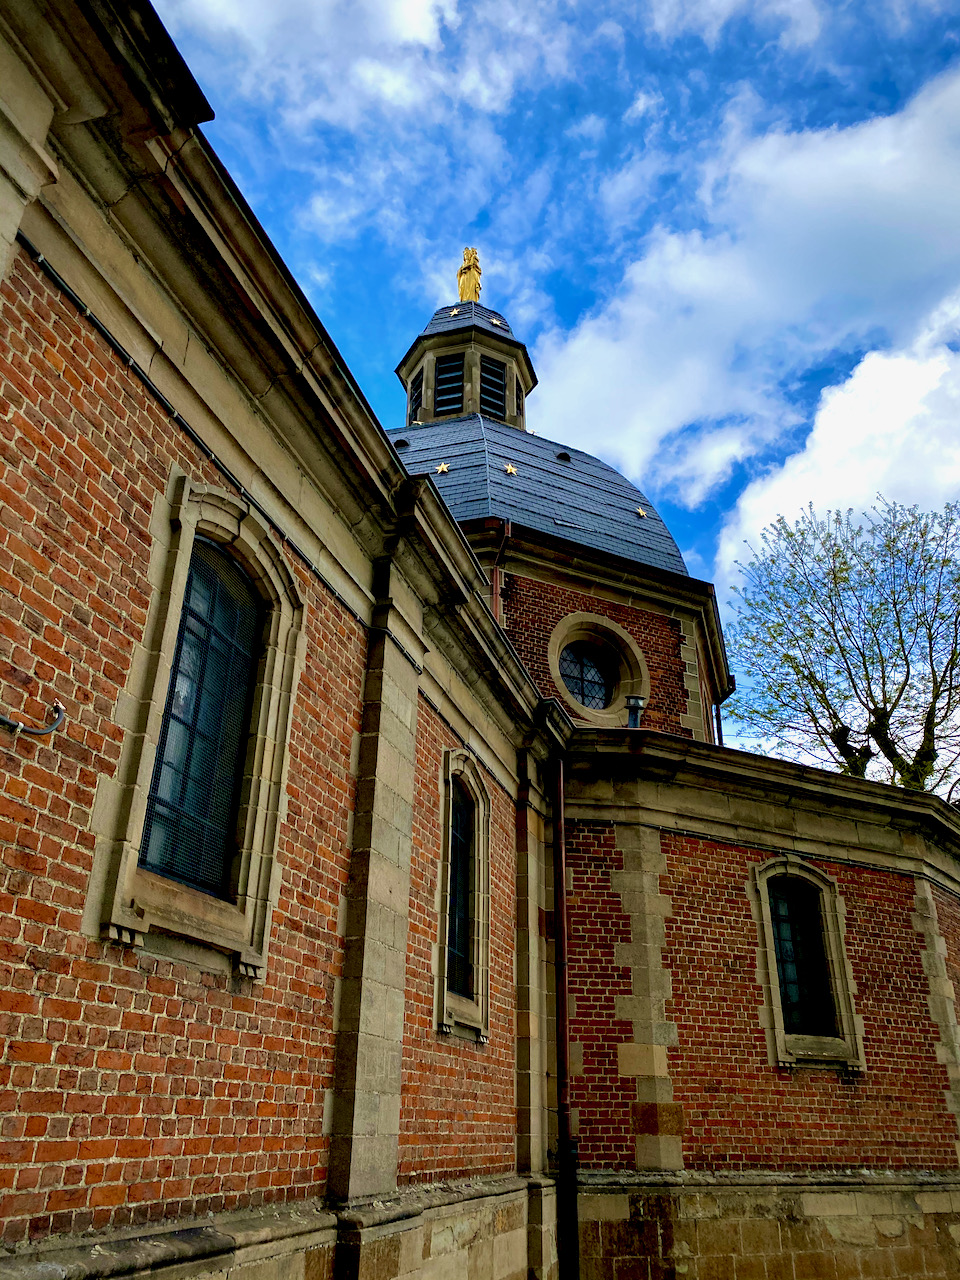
[(557, 490), (466, 315)]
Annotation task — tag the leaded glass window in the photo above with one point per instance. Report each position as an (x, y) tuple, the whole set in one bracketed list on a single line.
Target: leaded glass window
[(806, 997), (590, 672), (190, 833)]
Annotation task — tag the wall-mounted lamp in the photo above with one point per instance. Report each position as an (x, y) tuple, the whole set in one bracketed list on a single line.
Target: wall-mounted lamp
[(635, 705)]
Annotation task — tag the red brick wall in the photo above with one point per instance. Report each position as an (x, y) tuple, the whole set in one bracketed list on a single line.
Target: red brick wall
[(596, 923), (532, 609), (740, 1112), (131, 1087), (457, 1114)]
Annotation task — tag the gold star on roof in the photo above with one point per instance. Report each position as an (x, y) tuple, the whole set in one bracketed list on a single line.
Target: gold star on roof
[(510, 469), (441, 468), (494, 320), (454, 311), (641, 512)]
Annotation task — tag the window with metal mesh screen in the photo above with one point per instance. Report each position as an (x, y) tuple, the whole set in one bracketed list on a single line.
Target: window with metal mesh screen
[(459, 939), (493, 387), (190, 832), (517, 396), (590, 672), (416, 396), (448, 384), (806, 996)]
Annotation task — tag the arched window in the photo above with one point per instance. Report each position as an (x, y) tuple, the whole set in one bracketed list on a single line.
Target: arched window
[(809, 1009), (463, 953), (806, 997), (459, 948), (188, 849), (190, 830)]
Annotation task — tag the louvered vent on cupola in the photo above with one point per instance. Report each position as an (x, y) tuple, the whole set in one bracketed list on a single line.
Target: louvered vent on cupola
[(493, 388), (448, 385), (416, 397)]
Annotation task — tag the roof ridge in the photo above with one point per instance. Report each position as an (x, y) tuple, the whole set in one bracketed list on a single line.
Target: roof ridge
[(486, 460)]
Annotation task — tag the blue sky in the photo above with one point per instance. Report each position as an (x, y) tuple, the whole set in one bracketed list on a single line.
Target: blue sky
[(728, 230)]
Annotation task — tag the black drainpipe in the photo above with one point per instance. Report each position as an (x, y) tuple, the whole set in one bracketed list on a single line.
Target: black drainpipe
[(568, 1234)]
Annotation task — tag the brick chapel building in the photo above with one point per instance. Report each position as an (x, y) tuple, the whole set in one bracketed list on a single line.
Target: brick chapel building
[(376, 900)]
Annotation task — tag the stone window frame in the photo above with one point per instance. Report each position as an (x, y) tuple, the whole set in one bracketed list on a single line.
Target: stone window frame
[(456, 1014), (790, 1050), (139, 907), (633, 678)]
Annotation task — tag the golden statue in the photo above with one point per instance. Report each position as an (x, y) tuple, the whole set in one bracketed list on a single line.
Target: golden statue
[(468, 277)]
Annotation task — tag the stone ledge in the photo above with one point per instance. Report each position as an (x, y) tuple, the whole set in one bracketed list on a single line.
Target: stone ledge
[(221, 1238), (415, 1201), (219, 1241), (922, 1180)]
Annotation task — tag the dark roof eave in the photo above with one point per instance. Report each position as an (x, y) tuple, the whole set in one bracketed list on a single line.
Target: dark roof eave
[(149, 60), (677, 583)]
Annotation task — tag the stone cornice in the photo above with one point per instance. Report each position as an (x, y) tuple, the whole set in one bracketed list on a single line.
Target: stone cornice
[(736, 797), (151, 232)]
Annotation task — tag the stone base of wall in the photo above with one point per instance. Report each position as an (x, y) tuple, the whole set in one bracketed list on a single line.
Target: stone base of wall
[(693, 1227), (481, 1229)]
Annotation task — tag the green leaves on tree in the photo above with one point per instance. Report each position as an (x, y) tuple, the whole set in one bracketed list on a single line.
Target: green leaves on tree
[(846, 643)]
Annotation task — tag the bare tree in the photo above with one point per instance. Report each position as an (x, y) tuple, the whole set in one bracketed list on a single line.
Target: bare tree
[(848, 635)]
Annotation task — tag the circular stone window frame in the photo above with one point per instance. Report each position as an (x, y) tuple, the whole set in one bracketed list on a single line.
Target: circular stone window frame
[(633, 677)]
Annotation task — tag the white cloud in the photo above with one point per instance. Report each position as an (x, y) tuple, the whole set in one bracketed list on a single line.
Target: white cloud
[(341, 61), (625, 192), (814, 241), (644, 104), (799, 20), (890, 428), (591, 128)]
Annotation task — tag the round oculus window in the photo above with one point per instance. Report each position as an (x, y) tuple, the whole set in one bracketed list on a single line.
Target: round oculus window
[(591, 672)]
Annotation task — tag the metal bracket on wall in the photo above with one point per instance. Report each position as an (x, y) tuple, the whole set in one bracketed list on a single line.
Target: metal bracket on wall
[(17, 727)]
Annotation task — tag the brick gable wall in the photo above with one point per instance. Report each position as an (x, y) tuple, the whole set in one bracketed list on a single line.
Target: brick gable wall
[(532, 609), (134, 1088), (458, 1112)]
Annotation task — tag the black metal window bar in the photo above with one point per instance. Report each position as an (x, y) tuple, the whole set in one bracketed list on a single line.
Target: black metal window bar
[(416, 396), (190, 832), (589, 673), (806, 996), (448, 384), (518, 396), (459, 940), (493, 387)]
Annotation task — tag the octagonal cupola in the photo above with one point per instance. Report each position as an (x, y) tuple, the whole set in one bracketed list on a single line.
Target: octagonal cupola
[(466, 361)]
